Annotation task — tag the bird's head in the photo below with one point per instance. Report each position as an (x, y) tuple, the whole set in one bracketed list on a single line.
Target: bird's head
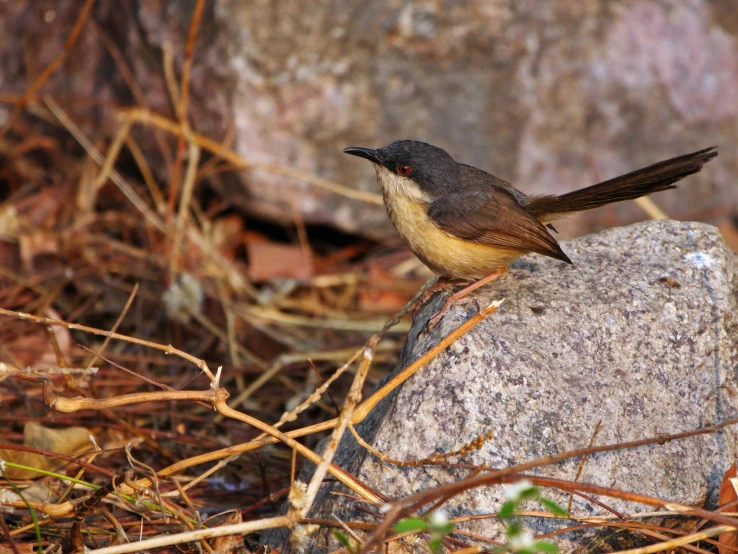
[(419, 169)]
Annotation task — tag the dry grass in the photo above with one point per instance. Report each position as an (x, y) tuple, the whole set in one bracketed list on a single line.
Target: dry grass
[(122, 291)]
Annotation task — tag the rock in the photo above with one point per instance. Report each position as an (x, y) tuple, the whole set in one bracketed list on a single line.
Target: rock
[(641, 333), (551, 97)]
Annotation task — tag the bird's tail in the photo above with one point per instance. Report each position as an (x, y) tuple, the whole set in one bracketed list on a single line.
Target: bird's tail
[(654, 178)]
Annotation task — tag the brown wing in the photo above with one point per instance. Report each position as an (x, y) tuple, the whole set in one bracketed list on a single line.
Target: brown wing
[(493, 217)]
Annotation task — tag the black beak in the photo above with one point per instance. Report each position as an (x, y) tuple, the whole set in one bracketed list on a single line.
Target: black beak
[(366, 153)]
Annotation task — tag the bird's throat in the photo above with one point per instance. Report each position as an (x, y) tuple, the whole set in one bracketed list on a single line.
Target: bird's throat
[(393, 184)]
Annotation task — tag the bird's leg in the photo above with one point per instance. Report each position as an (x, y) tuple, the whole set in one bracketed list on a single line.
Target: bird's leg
[(460, 297), (441, 284)]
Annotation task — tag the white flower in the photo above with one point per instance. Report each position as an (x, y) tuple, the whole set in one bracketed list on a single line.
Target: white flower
[(438, 518), (522, 541), (298, 495), (515, 490), (301, 536), (183, 297), (7, 496)]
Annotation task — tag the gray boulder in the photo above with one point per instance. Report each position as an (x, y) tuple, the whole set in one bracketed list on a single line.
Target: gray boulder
[(640, 334)]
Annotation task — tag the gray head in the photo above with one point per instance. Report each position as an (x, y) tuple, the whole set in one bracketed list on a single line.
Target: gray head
[(430, 167)]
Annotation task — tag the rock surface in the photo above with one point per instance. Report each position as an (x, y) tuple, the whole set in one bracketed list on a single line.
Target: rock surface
[(640, 334), (551, 96)]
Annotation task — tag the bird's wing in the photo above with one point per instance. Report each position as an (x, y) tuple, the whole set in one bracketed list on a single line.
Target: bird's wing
[(494, 218)]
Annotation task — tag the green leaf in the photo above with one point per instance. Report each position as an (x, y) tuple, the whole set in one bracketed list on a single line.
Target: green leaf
[(532, 492), (411, 525), (514, 529), (545, 546), (553, 507), (507, 509), (343, 539), (435, 545)]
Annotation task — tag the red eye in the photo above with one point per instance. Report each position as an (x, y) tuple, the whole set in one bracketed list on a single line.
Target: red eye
[(404, 169)]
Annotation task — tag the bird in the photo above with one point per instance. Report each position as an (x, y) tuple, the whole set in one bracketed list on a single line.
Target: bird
[(468, 226)]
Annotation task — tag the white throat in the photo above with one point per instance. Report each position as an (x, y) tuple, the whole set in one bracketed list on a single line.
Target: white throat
[(398, 185)]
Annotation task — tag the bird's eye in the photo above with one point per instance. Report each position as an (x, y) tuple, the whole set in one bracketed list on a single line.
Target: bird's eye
[(404, 169)]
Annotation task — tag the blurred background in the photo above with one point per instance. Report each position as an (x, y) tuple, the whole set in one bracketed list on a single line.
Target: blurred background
[(194, 148), (550, 96)]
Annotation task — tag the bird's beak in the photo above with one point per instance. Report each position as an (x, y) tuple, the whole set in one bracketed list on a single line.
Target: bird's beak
[(366, 153)]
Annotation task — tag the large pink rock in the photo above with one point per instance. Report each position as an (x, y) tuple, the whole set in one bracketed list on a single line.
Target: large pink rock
[(549, 95)]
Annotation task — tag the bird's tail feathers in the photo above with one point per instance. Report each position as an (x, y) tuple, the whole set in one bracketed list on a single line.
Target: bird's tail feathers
[(654, 178)]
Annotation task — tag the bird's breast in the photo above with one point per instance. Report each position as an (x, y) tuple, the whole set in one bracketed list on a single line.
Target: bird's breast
[(444, 254)]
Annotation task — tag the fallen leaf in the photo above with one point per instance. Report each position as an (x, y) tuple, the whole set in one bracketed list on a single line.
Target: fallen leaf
[(230, 543), (382, 294), (729, 230), (22, 548), (30, 347), (40, 492), (69, 441), (727, 541), (9, 256), (36, 243), (40, 210), (381, 301), (269, 260)]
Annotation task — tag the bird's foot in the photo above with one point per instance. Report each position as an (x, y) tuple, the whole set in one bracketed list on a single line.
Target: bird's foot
[(461, 297), (450, 302), (428, 293)]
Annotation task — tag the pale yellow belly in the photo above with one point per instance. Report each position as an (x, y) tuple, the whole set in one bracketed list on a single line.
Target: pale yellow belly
[(443, 254)]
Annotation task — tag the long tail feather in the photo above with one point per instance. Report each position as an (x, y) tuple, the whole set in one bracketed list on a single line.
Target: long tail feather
[(654, 178)]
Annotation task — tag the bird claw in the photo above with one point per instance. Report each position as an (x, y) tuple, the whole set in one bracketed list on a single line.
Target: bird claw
[(423, 300), (428, 294), (447, 306)]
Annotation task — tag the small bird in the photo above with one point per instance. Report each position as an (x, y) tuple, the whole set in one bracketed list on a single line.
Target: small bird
[(468, 225)]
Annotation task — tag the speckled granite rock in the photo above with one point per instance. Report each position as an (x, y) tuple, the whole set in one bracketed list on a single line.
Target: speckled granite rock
[(641, 333)]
